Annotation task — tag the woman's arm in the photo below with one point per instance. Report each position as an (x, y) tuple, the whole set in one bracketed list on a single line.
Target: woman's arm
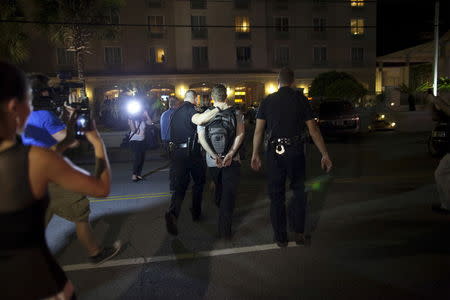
[(47, 166), (148, 120)]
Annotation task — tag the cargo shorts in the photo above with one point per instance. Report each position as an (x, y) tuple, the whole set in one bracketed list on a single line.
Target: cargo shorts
[(68, 205)]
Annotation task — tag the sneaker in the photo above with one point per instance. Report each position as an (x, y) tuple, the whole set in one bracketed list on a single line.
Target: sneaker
[(106, 254), (171, 224), (299, 238)]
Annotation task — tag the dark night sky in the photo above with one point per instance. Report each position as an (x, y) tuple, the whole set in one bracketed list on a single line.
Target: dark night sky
[(406, 23)]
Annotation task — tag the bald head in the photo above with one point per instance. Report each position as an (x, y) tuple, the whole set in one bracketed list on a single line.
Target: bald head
[(190, 96)]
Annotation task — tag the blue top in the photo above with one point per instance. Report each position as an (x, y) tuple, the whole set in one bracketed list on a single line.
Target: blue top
[(165, 124), (40, 127)]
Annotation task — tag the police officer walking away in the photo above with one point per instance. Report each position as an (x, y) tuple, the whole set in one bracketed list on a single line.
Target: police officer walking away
[(186, 159), (283, 115)]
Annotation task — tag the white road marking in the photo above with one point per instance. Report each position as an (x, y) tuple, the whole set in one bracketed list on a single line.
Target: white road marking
[(181, 256)]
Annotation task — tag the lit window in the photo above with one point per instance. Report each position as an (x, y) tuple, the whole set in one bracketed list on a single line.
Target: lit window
[(242, 24), (157, 55), (357, 26), (357, 3)]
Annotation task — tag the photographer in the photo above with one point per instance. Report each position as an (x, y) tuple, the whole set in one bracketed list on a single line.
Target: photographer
[(138, 120), (30, 271), (44, 129), (442, 174)]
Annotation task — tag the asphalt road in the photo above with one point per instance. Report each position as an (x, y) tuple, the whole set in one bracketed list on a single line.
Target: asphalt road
[(373, 234)]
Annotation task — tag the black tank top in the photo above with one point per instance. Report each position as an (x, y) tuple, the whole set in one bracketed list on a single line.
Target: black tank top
[(32, 271)]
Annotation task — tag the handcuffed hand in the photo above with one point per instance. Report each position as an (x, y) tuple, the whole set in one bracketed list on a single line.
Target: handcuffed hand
[(228, 159)]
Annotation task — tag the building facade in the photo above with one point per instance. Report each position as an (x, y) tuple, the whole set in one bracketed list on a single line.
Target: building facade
[(174, 45)]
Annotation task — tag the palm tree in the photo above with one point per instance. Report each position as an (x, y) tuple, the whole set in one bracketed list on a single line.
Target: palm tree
[(73, 29), (13, 40)]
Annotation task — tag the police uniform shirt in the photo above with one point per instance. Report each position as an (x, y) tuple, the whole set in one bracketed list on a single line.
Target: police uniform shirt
[(285, 112), (181, 126)]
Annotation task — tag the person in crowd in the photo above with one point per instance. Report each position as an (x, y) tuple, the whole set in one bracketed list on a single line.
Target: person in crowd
[(284, 115), (174, 103), (222, 138), (25, 172), (44, 129), (186, 160), (137, 124), (166, 116), (442, 174)]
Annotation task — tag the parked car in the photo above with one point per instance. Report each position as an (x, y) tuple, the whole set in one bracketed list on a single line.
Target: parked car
[(383, 121), (439, 140), (338, 117)]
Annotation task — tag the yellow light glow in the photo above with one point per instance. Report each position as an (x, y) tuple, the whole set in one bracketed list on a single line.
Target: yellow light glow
[(393, 124), (240, 93), (230, 92), (357, 26), (242, 24), (271, 88), (392, 103), (160, 55), (382, 117), (238, 100), (180, 91), (357, 3)]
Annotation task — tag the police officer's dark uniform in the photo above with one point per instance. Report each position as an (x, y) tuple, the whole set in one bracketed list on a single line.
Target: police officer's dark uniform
[(286, 112), (186, 161)]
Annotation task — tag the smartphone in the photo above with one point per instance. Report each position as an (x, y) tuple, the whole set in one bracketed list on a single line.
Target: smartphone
[(83, 123)]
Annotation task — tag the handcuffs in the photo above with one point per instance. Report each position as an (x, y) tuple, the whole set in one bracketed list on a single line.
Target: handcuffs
[(280, 144)]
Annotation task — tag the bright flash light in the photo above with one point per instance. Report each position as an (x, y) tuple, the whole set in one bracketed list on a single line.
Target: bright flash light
[(392, 103), (393, 124), (134, 107)]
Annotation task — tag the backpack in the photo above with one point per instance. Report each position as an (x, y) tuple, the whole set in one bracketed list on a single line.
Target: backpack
[(221, 131)]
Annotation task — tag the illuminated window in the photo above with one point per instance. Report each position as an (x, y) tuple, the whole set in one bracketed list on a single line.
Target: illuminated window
[(157, 55), (357, 26), (357, 3), (156, 26), (242, 24)]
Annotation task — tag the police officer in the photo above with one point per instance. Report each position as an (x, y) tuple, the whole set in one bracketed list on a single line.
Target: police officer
[(284, 115), (186, 159)]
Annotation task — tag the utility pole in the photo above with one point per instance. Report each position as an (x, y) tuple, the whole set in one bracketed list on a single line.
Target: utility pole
[(436, 48)]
